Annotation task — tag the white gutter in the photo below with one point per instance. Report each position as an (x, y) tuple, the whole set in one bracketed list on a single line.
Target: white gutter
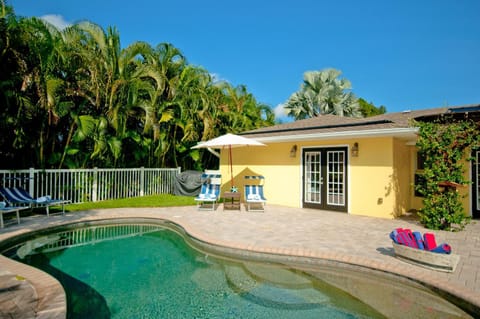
[(410, 133)]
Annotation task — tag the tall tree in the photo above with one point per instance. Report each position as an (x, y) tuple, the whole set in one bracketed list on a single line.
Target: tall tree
[(75, 98), (323, 92), (11, 65), (369, 109), (36, 86), (118, 83)]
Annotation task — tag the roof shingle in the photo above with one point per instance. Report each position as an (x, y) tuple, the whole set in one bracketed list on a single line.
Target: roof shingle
[(333, 123)]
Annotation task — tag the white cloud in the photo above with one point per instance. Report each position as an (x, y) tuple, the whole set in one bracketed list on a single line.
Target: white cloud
[(281, 116), (280, 111), (216, 77), (56, 20)]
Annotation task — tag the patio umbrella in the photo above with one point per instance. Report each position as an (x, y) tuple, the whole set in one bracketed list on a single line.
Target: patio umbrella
[(228, 141)]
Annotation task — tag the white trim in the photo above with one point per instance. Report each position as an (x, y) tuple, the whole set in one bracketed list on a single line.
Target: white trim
[(396, 132), (301, 177), (349, 175)]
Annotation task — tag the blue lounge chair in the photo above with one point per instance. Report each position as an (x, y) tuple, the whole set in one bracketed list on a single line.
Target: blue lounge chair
[(17, 196), (209, 192), (254, 198)]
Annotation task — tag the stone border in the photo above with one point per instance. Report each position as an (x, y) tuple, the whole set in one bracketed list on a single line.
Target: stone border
[(51, 298)]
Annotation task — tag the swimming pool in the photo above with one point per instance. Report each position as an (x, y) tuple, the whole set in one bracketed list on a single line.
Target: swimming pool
[(151, 271)]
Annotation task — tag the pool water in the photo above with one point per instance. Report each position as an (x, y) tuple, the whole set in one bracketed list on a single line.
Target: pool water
[(158, 275)]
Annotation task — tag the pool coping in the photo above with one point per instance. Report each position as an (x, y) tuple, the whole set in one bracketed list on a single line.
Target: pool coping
[(52, 299)]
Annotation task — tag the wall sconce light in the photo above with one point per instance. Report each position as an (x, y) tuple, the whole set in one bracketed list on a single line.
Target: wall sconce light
[(355, 150), (293, 151)]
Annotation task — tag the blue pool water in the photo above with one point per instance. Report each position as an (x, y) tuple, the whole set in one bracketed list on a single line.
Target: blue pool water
[(146, 269), (157, 275)]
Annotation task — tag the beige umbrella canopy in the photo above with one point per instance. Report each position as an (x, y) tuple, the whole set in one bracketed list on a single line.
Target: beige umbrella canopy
[(228, 141)]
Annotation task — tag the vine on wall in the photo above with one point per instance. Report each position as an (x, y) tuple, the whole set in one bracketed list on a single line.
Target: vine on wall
[(445, 146)]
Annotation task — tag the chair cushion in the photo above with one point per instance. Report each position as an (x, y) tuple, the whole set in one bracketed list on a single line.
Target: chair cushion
[(253, 197), (43, 199)]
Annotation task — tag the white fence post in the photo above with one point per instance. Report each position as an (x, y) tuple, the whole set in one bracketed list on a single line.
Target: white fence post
[(31, 181), (142, 181), (95, 184)]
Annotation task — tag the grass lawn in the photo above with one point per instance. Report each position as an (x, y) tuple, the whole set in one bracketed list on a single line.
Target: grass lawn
[(164, 200)]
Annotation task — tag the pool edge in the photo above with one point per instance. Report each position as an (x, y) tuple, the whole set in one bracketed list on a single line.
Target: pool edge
[(52, 290)]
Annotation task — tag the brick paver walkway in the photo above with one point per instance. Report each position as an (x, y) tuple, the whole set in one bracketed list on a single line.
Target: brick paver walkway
[(300, 232)]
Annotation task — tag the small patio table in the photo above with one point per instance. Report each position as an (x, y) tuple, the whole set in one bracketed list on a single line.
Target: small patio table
[(6, 210), (231, 200)]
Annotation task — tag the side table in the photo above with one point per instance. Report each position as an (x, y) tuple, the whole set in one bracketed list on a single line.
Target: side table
[(6, 210), (231, 200)]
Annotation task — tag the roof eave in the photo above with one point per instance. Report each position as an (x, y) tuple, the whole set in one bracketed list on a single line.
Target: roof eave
[(404, 133)]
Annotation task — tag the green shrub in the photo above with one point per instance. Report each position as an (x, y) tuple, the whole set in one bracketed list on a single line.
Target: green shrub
[(444, 146)]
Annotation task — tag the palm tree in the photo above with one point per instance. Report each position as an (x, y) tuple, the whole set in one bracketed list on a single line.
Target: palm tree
[(75, 98), (34, 45), (120, 85), (11, 65), (323, 92), (243, 110)]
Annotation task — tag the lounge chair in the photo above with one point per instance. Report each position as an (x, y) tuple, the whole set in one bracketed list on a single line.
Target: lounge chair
[(17, 196), (254, 198), (209, 192)]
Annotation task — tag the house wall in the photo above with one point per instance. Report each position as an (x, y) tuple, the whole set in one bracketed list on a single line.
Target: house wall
[(403, 177), (372, 180), (380, 179), (282, 173)]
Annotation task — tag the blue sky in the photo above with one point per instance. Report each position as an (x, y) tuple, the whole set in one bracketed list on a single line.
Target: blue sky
[(404, 54)]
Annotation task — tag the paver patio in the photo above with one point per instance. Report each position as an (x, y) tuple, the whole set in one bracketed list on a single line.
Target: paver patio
[(334, 236)]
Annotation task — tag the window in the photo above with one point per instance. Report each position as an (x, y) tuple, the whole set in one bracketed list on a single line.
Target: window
[(420, 161), (419, 179)]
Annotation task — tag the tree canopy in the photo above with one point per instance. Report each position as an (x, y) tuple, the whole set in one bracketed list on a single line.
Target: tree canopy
[(75, 98), (324, 92), (369, 109)]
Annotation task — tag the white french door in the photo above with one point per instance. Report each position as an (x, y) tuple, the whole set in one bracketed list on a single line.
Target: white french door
[(325, 178)]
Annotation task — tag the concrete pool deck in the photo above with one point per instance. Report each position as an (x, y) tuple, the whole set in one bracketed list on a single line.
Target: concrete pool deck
[(279, 230)]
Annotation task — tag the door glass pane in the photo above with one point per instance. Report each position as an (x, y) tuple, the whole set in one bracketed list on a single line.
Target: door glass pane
[(313, 178), (335, 178)]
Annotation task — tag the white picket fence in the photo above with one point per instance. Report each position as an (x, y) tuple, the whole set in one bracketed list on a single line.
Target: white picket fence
[(94, 234), (91, 185), (80, 237)]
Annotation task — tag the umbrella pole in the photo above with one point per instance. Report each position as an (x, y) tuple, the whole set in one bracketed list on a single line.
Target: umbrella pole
[(231, 166)]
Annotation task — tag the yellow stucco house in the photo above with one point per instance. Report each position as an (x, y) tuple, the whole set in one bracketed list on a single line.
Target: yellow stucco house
[(357, 166)]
